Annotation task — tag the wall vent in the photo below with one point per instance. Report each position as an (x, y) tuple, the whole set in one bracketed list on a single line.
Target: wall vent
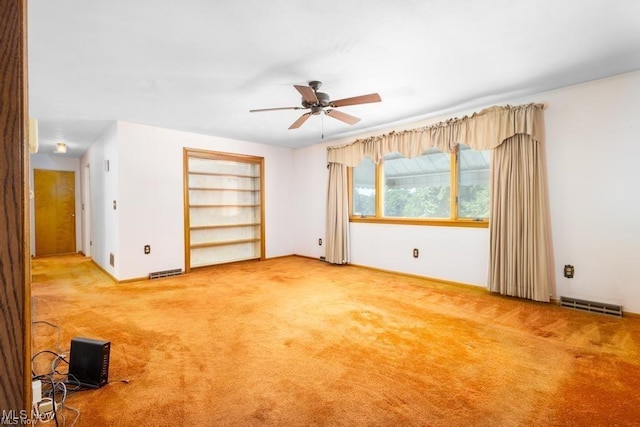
[(165, 273), (591, 306)]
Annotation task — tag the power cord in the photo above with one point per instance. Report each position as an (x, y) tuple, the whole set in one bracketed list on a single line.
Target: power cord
[(44, 322), (56, 385)]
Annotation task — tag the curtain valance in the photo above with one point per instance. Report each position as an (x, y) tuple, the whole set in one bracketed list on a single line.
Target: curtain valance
[(481, 131)]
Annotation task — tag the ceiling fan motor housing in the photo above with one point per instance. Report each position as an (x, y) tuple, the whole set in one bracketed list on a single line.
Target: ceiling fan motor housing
[(323, 101)]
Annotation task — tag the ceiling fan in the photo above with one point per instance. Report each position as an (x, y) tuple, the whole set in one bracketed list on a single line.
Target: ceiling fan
[(319, 102)]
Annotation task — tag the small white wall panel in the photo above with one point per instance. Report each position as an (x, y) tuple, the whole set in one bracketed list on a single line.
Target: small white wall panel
[(218, 216), (223, 197), (223, 254), (221, 234), (229, 182)]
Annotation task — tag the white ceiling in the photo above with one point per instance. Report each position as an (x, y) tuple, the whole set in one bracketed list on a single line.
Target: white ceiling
[(201, 65)]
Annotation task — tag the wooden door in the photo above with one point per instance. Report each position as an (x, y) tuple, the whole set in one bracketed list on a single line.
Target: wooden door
[(55, 208)]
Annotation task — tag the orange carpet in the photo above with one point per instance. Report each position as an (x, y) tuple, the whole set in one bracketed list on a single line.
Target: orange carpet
[(297, 342)]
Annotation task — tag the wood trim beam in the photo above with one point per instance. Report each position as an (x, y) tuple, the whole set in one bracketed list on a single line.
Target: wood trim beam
[(187, 216), (15, 275)]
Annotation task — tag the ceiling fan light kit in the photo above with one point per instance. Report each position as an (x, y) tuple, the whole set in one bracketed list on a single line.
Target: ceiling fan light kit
[(320, 102)]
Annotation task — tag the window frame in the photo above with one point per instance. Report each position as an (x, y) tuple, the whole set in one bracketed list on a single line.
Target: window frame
[(378, 218)]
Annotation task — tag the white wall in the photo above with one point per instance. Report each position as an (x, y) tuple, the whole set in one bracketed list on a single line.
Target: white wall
[(449, 253), (593, 149), (310, 195), (56, 162), (104, 189), (150, 196)]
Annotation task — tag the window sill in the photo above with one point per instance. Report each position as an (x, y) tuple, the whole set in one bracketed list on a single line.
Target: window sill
[(429, 222)]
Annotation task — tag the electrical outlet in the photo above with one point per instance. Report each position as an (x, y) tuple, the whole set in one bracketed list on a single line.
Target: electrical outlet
[(416, 253), (147, 249), (569, 271)]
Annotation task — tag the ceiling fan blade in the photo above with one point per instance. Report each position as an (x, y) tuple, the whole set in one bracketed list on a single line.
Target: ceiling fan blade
[(362, 99), (307, 94), (347, 118), (274, 109), (303, 118)]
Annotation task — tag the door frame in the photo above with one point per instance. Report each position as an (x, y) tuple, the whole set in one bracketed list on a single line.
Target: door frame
[(86, 210), (15, 330)]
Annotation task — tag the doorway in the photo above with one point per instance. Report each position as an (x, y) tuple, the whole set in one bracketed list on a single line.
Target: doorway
[(86, 211), (55, 207)]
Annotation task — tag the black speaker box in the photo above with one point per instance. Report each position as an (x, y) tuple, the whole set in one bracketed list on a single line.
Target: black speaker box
[(89, 361)]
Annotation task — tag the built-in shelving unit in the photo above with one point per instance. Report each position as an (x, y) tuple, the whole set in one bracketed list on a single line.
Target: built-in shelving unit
[(224, 201)]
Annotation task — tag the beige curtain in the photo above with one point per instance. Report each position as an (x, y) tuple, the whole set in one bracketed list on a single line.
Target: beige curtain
[(337, 245), (519, 221), (520, 243), (482, 131)]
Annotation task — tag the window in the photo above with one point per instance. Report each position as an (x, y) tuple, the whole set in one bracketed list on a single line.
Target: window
[(473, 183), (363, 201), (435, 188), (417, 188)]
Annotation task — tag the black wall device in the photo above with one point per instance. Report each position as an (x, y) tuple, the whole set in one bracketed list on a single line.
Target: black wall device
[(89, 361)]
